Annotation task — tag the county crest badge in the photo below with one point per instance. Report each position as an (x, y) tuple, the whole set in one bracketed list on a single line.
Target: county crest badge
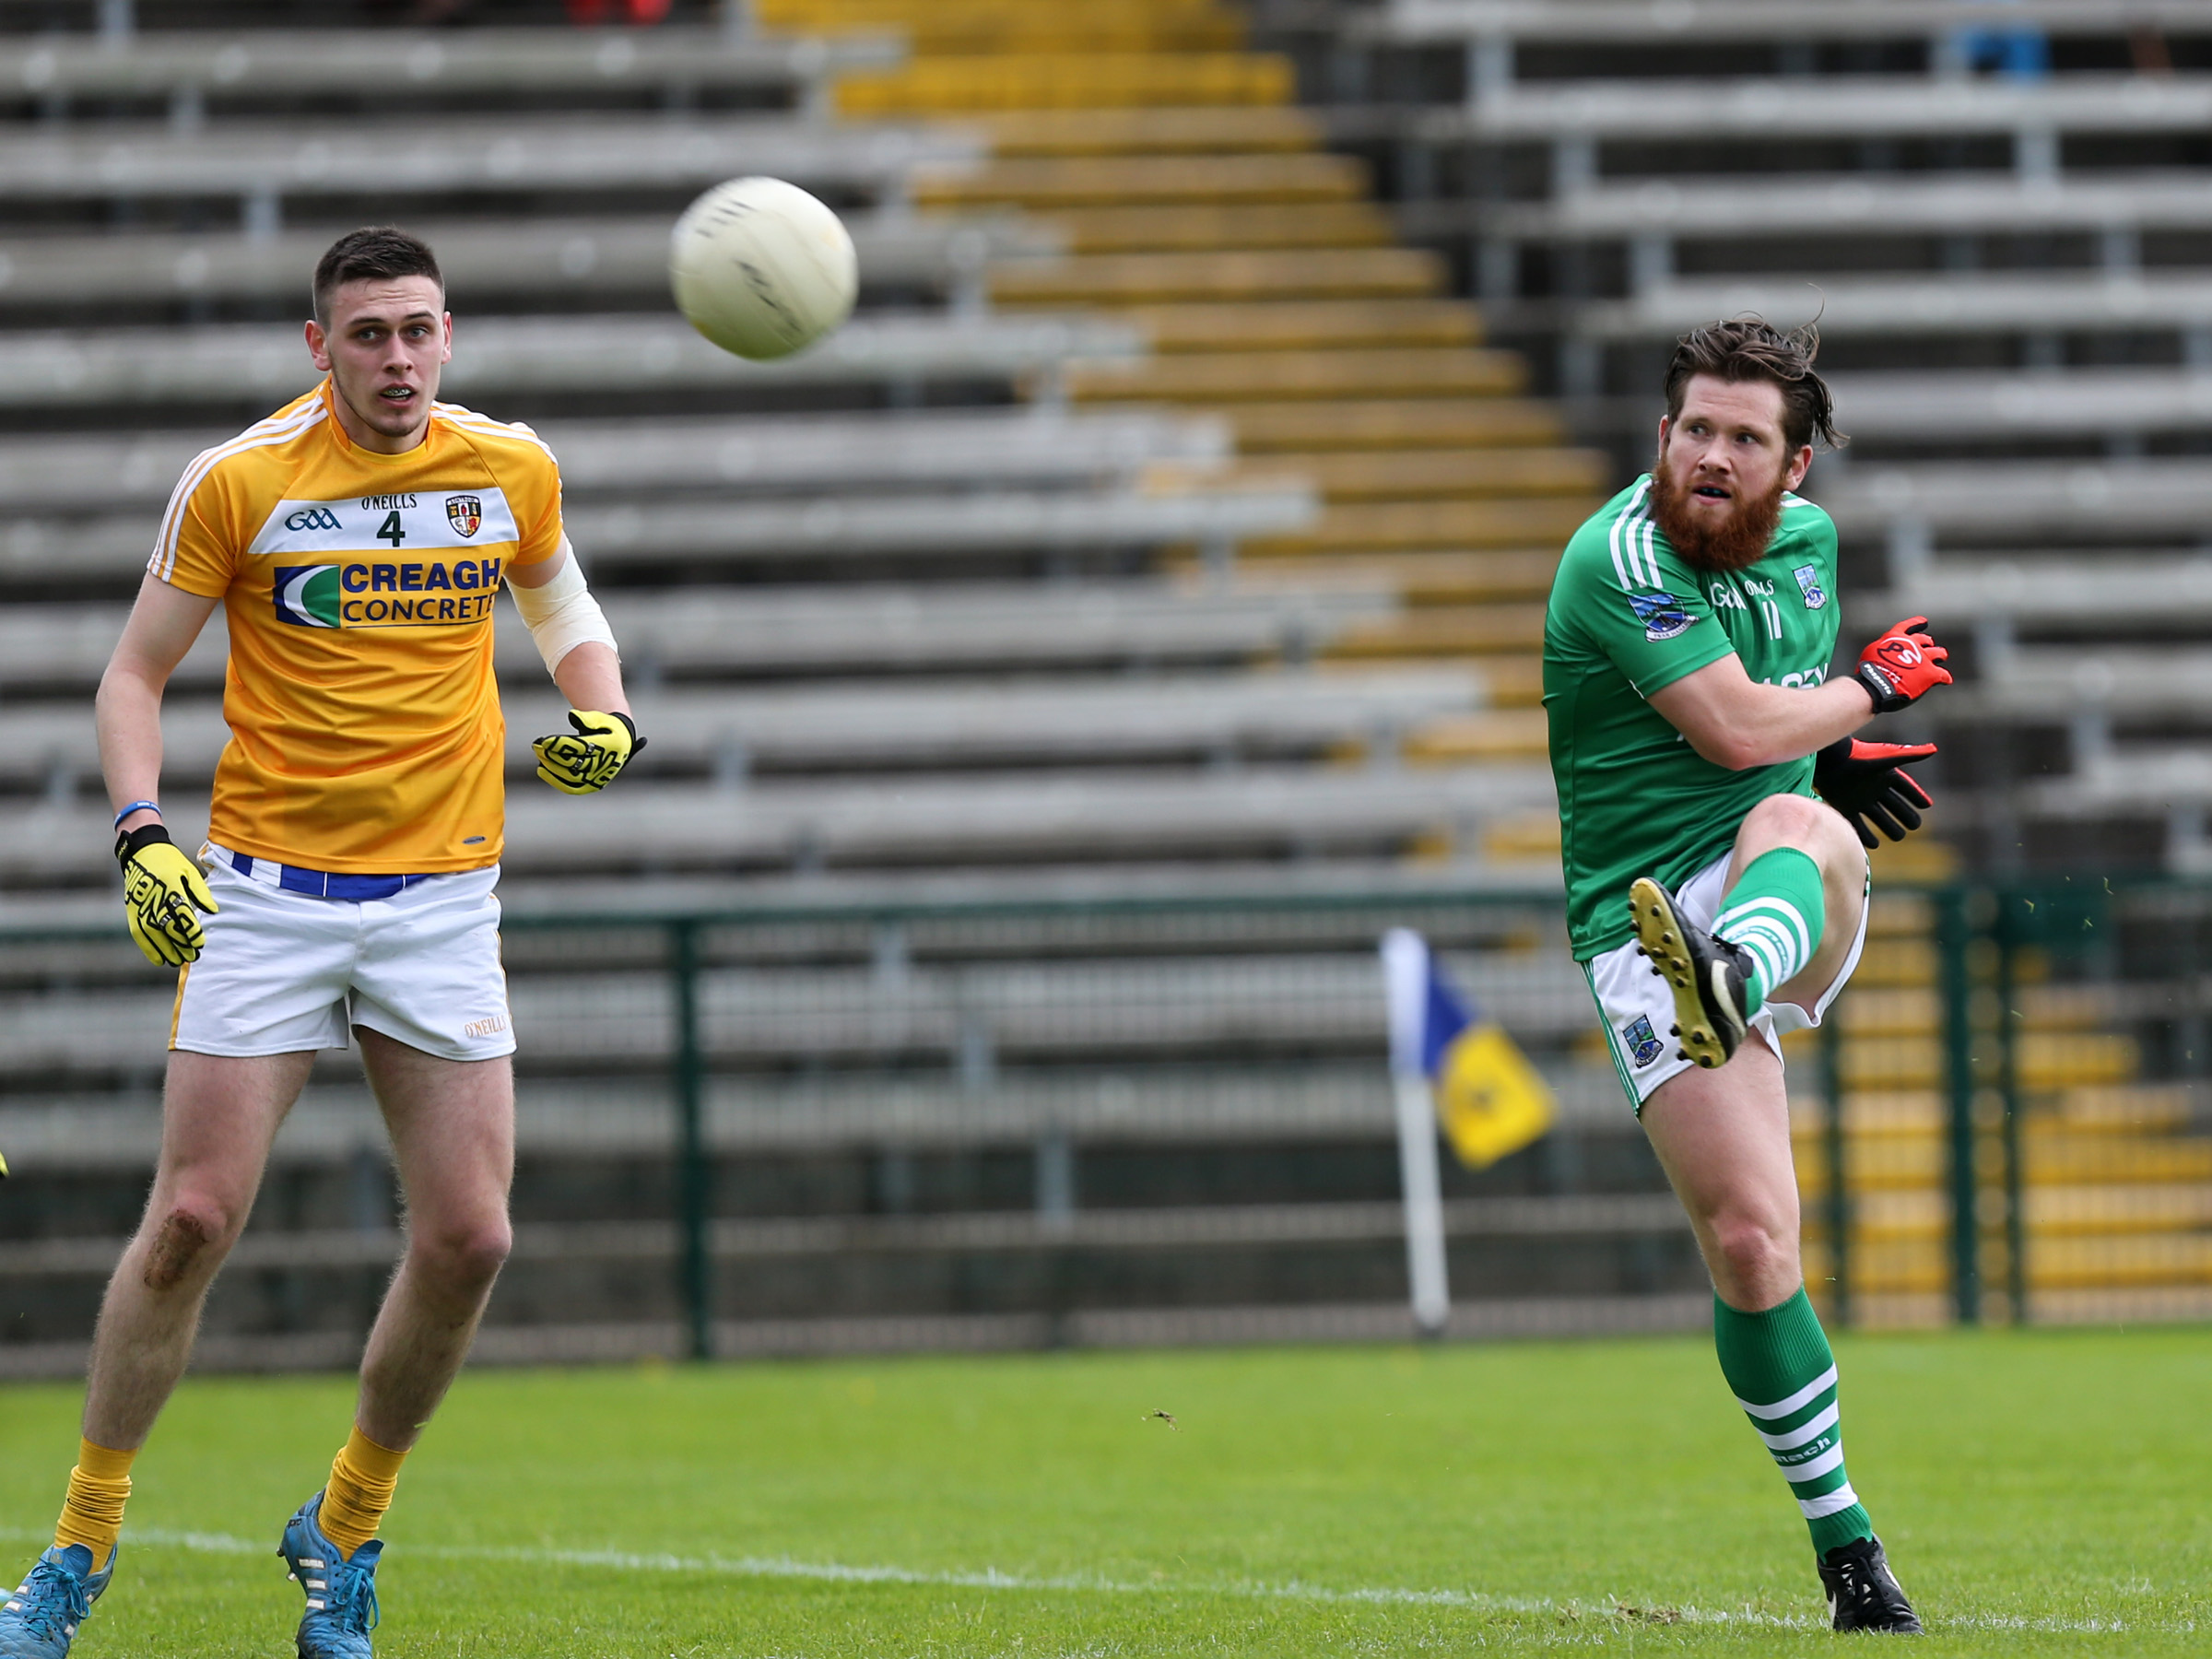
[(1643, 1042), (1808, 584), (466, 513), (1663, 616)]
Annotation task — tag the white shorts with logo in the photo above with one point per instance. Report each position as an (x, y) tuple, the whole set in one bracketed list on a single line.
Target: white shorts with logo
[(285, 971), (1637, 1006)]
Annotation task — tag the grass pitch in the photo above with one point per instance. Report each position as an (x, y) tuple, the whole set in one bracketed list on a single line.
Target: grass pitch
[(2040, 1492)]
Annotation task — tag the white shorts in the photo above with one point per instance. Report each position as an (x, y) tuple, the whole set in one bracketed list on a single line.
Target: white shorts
[(1637, 1007), (283, 970)]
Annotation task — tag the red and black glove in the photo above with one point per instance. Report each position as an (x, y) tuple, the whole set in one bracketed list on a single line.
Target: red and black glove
[(1901, 666), (1868, 784)]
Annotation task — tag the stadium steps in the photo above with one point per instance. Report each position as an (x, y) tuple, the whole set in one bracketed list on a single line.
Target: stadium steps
[(1385, 423), (1360, 475), (955, 27), (1350, 359), (1195, 131), (1239, 273), (1264, 325), (1216, 377), (1091, 231), (1043, 182), (1018, 80)]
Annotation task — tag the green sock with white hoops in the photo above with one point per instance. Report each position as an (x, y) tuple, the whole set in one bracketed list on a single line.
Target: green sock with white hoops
[(1779, 1367), (1776, 912)]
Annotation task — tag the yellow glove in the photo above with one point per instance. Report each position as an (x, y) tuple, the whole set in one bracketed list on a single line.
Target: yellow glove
[(593, 757), (161, 887)]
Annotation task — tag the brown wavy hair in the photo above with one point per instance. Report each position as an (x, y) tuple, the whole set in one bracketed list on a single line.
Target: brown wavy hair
[(1751, 349)]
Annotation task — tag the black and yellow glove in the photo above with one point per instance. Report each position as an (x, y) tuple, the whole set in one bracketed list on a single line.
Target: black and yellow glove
[(591, 760), (161, 888)]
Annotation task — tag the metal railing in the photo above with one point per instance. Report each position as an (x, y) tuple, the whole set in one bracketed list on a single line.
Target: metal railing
[(2008, 1116), (2032, 1139)]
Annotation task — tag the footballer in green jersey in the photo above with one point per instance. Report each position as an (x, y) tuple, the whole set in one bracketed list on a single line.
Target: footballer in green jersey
[(1629, 618), (1714, 813)]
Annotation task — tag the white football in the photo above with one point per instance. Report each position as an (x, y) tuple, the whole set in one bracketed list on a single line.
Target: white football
[(761, 268)]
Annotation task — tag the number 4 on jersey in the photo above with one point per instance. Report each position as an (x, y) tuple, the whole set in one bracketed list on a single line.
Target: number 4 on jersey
[(390, 531)]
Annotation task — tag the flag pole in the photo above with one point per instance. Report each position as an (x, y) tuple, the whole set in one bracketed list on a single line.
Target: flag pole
[(1406, 982)]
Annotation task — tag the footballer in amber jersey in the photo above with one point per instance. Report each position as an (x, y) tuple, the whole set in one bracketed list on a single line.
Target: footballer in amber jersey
[(366, 734)]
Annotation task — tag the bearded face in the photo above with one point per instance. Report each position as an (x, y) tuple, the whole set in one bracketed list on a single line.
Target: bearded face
[(1723, 469), (1722, 542)]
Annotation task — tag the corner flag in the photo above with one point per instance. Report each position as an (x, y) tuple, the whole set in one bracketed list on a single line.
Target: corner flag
[(1490, 1099)]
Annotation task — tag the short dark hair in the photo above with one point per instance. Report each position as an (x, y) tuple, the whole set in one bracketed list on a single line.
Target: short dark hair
[(373, 252), (1750, 348)]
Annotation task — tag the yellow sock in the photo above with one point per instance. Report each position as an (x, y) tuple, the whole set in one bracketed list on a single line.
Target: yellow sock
[(362, 1478), (99, 1488)]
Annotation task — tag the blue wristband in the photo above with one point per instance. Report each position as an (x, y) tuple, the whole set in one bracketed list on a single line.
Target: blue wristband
[(152, 807)]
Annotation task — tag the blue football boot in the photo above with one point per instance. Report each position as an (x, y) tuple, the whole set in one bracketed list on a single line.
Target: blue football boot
[(40, 1619), (341, 1591)]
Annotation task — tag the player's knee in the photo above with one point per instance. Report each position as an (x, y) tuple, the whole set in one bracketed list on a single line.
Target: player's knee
[(464, 1255), (1754, 1249), (1811, 826), (189, 1238)]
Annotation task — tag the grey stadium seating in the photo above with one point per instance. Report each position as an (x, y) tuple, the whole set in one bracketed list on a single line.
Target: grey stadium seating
[(1987, 302), (1575, 117), (910, 638), (812, 630), (1654, 22), (204, 64), (2006, 262), (2117, 587), (964, 446), (507, 259), (260, 164), (1795, 206), (815, 531), (1966, 404), (1065, 816), (266, 364), (2017, 497), (941, 722)]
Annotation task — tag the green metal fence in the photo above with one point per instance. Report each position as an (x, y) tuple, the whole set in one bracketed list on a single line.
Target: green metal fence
[(2047, 1094), (2006, 1118)]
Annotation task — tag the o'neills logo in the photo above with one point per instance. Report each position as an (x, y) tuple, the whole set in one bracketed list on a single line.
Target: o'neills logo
[(464, 513)]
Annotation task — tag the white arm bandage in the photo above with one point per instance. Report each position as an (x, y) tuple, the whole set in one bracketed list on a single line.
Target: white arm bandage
[(561, 615)]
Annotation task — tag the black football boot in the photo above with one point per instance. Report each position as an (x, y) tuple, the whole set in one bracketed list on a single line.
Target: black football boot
[(1710, 978), (1862, 1594)]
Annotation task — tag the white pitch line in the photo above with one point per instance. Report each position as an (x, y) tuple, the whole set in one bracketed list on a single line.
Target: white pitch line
[(785, 1567)]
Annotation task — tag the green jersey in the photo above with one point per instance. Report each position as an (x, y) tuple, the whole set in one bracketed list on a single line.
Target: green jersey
[(1629, 618)]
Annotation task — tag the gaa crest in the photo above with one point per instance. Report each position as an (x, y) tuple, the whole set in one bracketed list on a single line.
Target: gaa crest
[(464, 513), (1641, 1042), (1663, 616)]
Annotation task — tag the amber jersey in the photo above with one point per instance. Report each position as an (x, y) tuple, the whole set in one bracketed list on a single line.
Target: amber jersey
[(365, 727)]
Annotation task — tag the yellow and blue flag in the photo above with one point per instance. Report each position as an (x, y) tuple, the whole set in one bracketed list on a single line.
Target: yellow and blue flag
[(1490, 1101)]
